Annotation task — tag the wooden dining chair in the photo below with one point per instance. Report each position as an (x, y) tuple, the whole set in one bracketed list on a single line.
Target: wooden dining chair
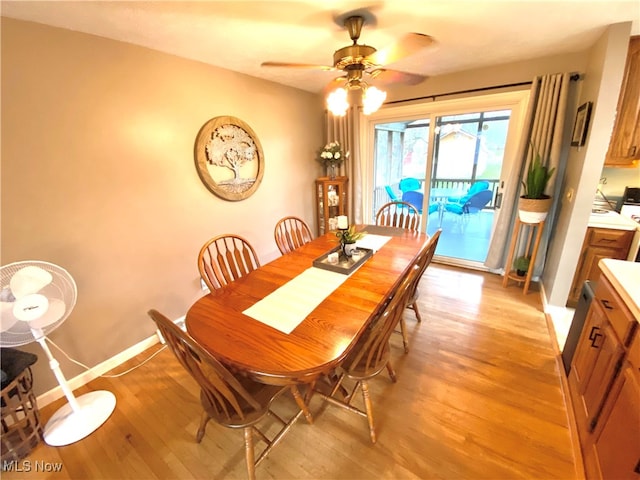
[(398, 214), (291, 233), (226, 258), (370, 356), (233, 401), (422, 262)]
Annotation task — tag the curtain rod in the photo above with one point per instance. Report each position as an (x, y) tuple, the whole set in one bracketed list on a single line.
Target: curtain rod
[(573, 77)]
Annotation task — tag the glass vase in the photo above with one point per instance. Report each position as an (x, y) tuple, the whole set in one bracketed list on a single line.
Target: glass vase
[(331, 171)]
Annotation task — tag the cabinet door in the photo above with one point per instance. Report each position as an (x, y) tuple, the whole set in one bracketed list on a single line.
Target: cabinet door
[(331, 201), (593, 255), (598, 243), (596, 359), (617, 448), (624, 147)]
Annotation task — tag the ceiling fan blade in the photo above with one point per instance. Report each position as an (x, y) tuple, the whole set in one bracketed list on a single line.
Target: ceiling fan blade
[(409, 44), (311, 66), (385, 75)]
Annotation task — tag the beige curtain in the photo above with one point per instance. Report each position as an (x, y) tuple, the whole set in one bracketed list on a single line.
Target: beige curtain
[(345, 130), (545, 128)]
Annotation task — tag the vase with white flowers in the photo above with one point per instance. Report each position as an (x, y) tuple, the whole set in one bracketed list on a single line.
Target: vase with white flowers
[(332, 156)]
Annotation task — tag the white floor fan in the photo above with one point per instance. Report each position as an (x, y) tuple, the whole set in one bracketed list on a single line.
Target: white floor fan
[(35, 299)]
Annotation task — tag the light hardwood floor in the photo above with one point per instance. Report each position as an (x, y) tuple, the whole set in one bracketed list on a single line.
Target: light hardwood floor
[(478, 397)]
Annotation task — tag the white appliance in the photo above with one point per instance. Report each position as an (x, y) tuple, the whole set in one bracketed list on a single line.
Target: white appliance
[(630, 208)]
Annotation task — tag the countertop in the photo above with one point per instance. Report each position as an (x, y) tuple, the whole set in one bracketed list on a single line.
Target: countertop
[(611, 220), (625, 278)]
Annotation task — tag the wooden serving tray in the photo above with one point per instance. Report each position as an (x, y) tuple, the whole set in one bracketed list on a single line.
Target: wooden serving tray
[(345, 264)]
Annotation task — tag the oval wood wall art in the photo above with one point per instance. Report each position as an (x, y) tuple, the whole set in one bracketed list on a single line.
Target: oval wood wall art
[(229, 158)]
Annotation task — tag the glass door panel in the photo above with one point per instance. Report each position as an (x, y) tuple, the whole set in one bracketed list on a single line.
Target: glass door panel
[(467, 157)]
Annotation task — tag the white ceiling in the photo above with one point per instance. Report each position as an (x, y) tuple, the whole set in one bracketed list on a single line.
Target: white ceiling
[(239, 35)]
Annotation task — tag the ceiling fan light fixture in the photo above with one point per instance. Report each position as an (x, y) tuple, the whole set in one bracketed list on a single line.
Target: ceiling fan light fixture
[(372, 99), (337, 102)]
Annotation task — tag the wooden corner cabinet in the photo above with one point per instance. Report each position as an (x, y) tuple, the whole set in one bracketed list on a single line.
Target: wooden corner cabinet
[(331, 201), (624, 146), (604, 384), (598, 243)]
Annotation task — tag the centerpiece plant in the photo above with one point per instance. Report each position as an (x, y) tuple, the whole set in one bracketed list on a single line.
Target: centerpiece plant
[(349, 235), (347, 238)]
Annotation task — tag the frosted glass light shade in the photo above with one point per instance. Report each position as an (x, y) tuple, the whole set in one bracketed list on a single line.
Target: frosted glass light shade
[(372, 99), (337, 102)]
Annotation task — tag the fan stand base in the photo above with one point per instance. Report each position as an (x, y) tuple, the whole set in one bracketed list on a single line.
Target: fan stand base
[(68, 426)]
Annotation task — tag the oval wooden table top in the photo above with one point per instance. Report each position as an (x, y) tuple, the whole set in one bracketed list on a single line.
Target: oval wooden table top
[(321, 341)]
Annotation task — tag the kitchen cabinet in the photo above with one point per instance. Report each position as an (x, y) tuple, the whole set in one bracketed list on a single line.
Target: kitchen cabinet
[(616, 451), (604, 386), (624, 146), (331, 201), (598, 243)]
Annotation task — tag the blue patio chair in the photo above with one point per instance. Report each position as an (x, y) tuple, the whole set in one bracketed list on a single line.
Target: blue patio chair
[(475, 188), (414, 198), (391, 193), (409, 184), (476, 202)]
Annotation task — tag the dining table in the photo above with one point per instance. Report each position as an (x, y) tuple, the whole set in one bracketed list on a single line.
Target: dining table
[(289, 322)]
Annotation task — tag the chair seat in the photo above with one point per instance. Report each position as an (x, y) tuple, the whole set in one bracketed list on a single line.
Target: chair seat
[(247, 415), (364, 371), (454, 208)]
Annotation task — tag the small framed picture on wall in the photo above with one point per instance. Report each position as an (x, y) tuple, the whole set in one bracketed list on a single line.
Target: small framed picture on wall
[(581, 126)]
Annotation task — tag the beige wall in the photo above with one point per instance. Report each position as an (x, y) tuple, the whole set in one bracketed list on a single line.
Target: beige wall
[(98, 176), (601, 85)]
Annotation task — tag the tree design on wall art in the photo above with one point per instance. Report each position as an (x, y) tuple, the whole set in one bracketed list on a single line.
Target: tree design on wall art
[(229, 158)]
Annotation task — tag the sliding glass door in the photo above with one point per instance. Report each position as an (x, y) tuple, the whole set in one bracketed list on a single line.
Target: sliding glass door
[(452, 156)]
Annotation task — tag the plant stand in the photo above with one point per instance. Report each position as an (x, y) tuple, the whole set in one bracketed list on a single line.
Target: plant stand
[(531, 251)]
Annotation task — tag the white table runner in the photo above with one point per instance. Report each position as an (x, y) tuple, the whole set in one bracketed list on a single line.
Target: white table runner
[(373, 242), (285, 308)]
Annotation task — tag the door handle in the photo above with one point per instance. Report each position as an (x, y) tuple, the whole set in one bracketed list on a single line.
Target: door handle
[(605, 304), (594, 335), (498, 203)]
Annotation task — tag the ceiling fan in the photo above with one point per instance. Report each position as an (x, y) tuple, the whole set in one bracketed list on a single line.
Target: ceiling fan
[(357, 60)]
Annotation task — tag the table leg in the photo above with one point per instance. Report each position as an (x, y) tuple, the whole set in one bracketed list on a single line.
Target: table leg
[(301, 404)]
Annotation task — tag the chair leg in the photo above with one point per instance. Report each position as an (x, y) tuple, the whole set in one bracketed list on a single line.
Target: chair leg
[(203, 425), (414, 307), (392, 373), (301, 404), (248, 448), (414, 304), (369, 408), (403, 330)]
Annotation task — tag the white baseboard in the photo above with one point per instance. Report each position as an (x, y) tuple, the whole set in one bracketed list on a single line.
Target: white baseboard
[(85, 377)]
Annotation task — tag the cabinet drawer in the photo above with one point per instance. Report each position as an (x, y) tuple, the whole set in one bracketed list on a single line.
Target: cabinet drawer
[(616, 311), (612, 238)]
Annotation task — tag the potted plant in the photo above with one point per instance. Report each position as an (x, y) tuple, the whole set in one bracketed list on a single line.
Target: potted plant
[(521, 266), (534, 203), (348, 238)]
